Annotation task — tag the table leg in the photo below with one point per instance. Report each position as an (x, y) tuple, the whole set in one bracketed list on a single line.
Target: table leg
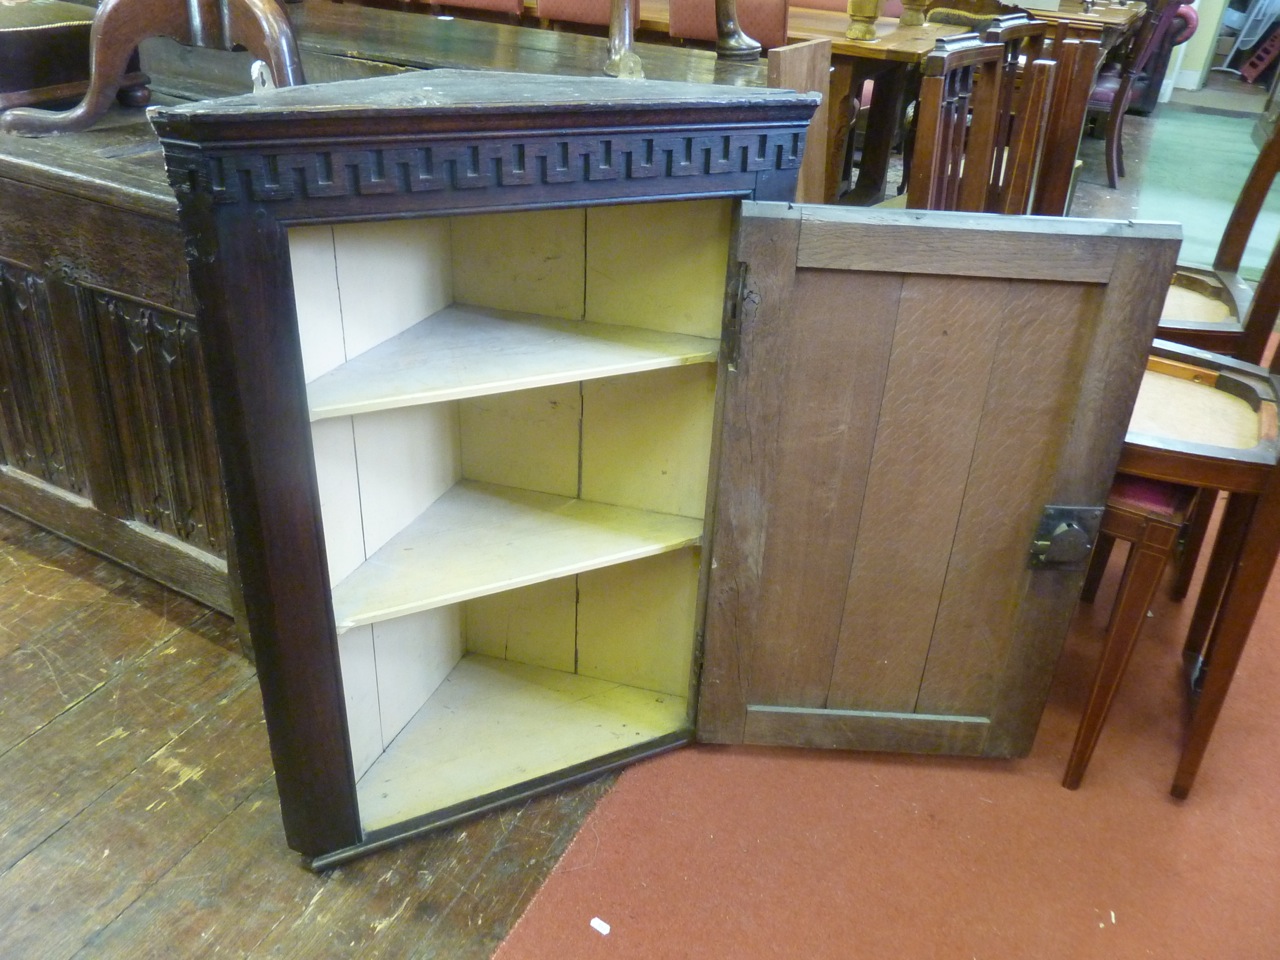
[(883, 117), (840, 119)]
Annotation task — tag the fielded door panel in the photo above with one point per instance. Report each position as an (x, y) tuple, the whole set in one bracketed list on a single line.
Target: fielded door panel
[(909, 392)]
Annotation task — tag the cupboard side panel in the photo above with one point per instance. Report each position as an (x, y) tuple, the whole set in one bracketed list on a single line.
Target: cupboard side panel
[(943, 349), (838, 358), (636, 622), (646, 439), (414, 654), (1032, 397), (753, 396), (314, 266), (528, 439), (390, 275), (406, 459), (250, 343), (529, 261), (536, 625), (360, 693), (338, 484), (659, 265)]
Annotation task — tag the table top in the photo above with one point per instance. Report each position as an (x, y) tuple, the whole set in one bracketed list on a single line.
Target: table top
[(425, 41), (1105, 15), (893, 41)]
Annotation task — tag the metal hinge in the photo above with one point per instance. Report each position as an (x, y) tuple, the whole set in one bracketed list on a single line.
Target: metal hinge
[(1065, 537), (742, 306)]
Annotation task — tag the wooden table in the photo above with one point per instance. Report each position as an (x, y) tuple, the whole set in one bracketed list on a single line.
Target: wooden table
[(890, 60), (1108, 22), (424, 41)]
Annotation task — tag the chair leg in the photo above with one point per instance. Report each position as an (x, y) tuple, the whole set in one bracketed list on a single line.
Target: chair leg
[(1235, 521), (1193, 541), (1097, 567), (1250, 575), (1114, 149), (1148, 556)]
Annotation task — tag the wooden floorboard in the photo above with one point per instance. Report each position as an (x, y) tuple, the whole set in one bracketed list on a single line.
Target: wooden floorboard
[(138, 813)]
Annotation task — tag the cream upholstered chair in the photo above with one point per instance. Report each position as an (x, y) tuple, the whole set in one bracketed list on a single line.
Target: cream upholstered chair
[(1215, 309), (1207, 422)]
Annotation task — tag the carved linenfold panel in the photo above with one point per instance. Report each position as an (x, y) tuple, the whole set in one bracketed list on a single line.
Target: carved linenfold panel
[(490, 164), (159, 399), (37, 425)]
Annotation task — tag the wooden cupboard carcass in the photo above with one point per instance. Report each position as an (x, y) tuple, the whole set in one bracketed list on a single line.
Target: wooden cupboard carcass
[(553, 437)]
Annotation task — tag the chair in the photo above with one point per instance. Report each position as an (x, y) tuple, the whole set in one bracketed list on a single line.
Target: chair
[(1113, 92), (955, 131), (1021, 111), (1216, 309), (1206, 422), (963, 122), (1078, 62), (260, 26)]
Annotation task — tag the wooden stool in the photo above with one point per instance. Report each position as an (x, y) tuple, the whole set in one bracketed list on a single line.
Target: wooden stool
[(1149, 514)]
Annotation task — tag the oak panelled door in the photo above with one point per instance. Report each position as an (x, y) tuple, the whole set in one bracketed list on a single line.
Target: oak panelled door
[(909, 392)]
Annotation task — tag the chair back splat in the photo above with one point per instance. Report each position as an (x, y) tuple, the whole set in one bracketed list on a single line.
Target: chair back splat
[(956, 125), (1216, 309), (1078, 62), (1021, 111)]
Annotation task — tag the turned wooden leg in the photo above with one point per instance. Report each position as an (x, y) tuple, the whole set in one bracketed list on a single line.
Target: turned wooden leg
[(733, 44), (263, 28), (912, 13), (623, 61), (862, 19)]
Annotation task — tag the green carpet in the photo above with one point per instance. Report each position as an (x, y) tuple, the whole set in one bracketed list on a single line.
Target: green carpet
[(1193, 173)]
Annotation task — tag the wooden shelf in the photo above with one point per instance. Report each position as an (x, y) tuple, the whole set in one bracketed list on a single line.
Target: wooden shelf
[(480, 539), (493, 724), (467, 351)]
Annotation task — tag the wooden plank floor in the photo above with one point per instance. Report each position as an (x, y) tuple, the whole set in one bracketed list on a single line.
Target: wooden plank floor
[(138, 812)]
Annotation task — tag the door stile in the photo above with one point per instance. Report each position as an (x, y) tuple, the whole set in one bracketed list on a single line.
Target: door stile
[(748, 436)]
